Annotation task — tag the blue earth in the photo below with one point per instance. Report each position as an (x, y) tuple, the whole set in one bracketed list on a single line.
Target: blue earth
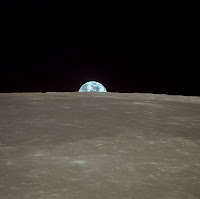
[(92, 86)]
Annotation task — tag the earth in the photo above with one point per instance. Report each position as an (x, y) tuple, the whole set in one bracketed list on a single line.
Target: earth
[(92, 86)]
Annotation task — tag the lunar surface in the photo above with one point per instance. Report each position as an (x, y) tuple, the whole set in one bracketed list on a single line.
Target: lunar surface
[(99, 146)]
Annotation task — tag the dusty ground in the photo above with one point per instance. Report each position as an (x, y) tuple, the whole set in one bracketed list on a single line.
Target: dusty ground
[(99, 146)]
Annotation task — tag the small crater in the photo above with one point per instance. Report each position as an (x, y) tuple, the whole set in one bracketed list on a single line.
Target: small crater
[(78, 161)]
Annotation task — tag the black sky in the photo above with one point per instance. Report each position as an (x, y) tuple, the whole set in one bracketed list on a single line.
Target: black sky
[(45, 48)]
